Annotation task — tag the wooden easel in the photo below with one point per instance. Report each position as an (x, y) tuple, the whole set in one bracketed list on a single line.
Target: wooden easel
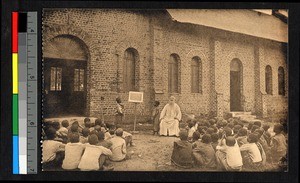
[(134, 124)]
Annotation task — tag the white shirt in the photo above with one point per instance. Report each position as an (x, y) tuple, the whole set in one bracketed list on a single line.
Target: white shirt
[(170, 112), (90, 157), (118, 148), (73, 153), (191, 131), (233, 155), (63, 131), (253, 151), (50, 147)]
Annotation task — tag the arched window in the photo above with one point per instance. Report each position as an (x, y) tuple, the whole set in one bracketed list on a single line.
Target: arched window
[(281, 82), (268, 77), (196, 75), (129, 70), (173, 73)]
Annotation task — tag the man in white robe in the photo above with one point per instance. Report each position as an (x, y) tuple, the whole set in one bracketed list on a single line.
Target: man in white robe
[(169, 119)]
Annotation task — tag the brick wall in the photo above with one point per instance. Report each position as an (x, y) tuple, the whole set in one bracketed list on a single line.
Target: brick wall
[(273, 54), (108, 33)]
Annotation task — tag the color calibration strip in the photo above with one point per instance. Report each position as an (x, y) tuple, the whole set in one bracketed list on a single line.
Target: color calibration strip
[(15, 105), (24, 65)]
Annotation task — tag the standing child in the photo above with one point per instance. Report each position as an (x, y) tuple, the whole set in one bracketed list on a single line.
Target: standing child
[(119, 112), (73, 153), (155, 118)]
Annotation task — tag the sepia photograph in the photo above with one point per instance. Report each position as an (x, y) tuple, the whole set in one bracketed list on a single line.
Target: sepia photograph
[(197, 90)]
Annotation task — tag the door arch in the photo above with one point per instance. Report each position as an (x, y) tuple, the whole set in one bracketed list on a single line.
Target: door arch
[(236, 85), (65, 76)]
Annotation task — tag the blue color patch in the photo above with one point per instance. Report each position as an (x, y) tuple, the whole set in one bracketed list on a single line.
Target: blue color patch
[(15, 154)]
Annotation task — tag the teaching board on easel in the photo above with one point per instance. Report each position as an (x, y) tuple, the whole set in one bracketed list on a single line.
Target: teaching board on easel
[(136, 97)]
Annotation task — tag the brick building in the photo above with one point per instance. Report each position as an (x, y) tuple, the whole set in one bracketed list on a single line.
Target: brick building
[(217, 62)]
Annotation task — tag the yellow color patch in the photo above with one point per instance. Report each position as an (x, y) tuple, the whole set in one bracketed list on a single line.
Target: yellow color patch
[(15, 72)]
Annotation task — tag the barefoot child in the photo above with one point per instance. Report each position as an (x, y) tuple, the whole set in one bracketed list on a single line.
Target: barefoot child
[(155, 118)]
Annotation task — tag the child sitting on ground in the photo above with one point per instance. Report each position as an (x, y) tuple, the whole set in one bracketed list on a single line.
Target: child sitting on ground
[(191, 129), (266, 133), (73, 152), (196, 137), (107, 135), (241, 137), (252, 160), (203, 153), (210, 131), (94, 156), (118, 146), (182, 151), (214, 140), (228, 155), (84, 137), (86, 123), (236, 129), (278, 145), (56, 126), (63, 130), (74, 129), (227, 131), (53, 151), (102, 141), (128, 138)]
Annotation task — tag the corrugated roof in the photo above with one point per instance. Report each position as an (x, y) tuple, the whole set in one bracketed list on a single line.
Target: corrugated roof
[(245, 21)]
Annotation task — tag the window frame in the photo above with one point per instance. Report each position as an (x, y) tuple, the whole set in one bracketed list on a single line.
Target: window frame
[(57, 86), (173, 70), (268, 80), (80, 80), (196, 62), (281, 81)]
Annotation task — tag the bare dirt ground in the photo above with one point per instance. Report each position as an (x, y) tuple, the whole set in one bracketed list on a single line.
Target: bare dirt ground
[(150, 152)]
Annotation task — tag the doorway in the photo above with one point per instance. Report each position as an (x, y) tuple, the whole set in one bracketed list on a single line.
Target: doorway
[(65, 77), (236, 85)]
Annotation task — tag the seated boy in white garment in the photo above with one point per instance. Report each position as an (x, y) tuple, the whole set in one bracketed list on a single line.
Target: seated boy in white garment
[(53, 151), (252, 160), (228, 155), (94, 156), (126, 135), (118, 147), (73, 152)]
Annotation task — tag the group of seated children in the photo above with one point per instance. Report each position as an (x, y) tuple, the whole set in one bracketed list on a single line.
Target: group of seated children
[(218, 144), (88, 147)]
